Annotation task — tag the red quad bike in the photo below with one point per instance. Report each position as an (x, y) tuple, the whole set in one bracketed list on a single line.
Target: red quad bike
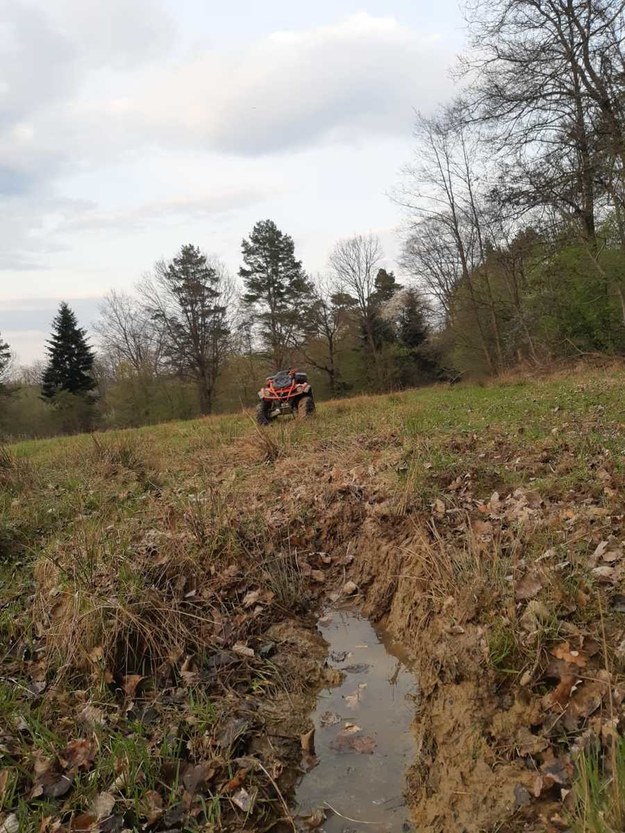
[(285, 393)]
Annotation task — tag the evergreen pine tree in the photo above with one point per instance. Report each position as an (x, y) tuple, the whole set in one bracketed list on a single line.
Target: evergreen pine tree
[(277, 289), (416, 363), (5, 360), (386, 288), (412, 324), (70, 358), (188, 303)]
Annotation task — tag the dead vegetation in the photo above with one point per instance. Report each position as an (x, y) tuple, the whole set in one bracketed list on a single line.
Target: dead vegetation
[(158, 656)]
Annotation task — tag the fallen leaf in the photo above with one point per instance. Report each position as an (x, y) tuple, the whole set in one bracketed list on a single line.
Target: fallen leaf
[(565, 653), (232, 732), (244, 800), (242, 650), (439, 507), (78, 754), (314, 820), (352, 700), (235, 782), (528, 743), (53, 785), (346, 741), (103, 805), (173, 817), (130, 683), (196, 776), (364, 745), (10, 824), (611, 556), (586, 700), (536, 614), (562, 692), (84, 821), (319, 576), (329, 718), (91, 716), (4, 781), (605, 574), (189, 675), (152, 806), (528, 587), (598, 553), (251, 598), (349, 588), (308, 742), (558, 772), (96, 654)]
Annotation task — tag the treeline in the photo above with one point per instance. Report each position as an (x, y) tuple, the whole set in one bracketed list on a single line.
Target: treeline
[(188, 342), (514, 252), (516, 204)]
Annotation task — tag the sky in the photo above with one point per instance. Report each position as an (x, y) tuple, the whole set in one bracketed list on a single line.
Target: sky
[(131, 127)]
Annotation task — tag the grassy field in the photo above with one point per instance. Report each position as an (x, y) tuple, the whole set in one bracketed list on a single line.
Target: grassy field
[(159, 585)]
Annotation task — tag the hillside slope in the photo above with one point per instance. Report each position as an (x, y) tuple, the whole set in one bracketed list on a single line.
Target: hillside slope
[(159, 587)]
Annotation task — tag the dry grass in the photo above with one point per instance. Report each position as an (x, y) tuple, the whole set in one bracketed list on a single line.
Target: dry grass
[(129, 553)]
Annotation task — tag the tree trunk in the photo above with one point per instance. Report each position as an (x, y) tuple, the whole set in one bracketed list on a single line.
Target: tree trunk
[(205, 391)]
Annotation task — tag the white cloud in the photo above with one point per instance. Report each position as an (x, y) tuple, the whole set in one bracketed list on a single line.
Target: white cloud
[(359, 76), (172, 209)]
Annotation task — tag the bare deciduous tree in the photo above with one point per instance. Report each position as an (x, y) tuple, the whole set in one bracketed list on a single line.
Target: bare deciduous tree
[(354, 262), (128, 333), (330, 314)]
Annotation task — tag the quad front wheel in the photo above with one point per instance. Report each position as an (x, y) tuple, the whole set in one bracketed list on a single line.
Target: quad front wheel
[(306, 406), (263, 409)]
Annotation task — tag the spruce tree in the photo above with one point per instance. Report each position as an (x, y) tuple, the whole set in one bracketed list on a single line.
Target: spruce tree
[(277, 289), (5, 361), (70, 358)]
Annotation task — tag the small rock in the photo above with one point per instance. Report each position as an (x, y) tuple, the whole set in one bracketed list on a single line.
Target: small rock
[(349, 588)]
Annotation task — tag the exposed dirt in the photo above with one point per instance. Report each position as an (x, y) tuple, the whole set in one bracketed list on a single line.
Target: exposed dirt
[(166, 636)]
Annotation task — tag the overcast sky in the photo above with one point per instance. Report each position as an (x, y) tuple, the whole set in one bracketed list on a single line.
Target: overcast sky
[(130, 127)]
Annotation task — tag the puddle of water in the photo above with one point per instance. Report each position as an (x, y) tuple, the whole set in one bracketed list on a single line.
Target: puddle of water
[(362, 731)]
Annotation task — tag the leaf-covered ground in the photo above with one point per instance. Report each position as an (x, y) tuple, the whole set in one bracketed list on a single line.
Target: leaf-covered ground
[(158, 657)]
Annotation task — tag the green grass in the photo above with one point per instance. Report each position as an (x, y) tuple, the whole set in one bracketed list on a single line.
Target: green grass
[(599, 790), (115, 550)]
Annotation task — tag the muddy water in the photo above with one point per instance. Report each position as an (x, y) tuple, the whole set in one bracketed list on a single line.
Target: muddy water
[(363, 742)]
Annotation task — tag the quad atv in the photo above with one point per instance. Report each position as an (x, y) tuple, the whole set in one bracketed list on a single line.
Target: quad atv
[(285, 393)]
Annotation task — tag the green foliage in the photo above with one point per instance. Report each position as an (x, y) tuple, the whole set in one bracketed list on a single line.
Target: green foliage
[(277, 291), (5, 360), (141, 398), (599, 789), (187, 302), (70, 359)]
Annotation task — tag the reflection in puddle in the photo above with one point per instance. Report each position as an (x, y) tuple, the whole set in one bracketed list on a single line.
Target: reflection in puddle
[(362, 732)]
